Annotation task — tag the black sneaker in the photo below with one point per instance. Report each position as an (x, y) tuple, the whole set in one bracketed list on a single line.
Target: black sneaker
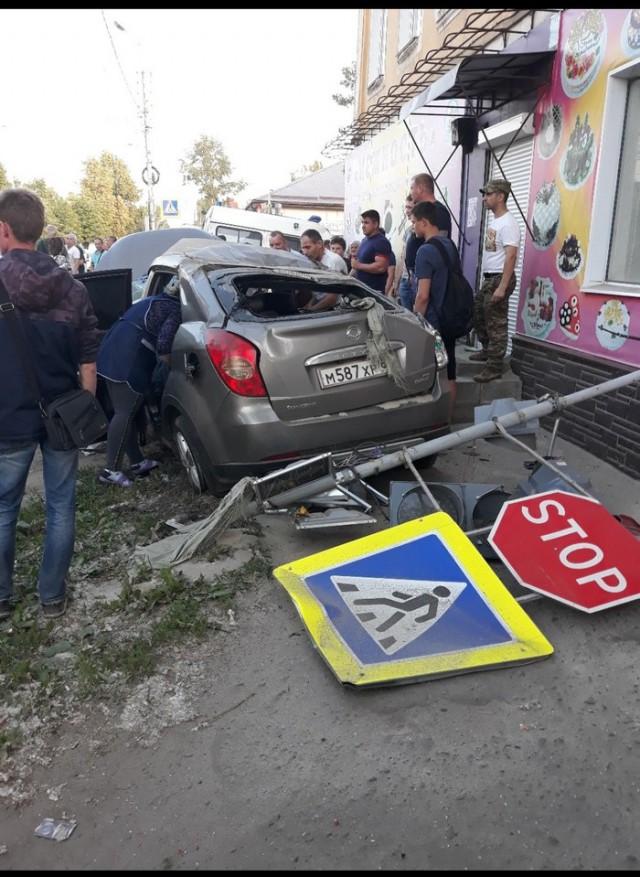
[(54, 610), (5, 609)]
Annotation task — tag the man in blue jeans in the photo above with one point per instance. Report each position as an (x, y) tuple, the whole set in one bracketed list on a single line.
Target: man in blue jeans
[(61, 336)]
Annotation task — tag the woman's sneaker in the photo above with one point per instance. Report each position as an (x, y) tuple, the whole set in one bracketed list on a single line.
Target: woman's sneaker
[(107, 476), (142, 469)]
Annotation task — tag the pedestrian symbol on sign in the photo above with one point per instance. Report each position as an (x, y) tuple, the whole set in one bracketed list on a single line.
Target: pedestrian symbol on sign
[(396, 611), (450, 613), (170, 208)]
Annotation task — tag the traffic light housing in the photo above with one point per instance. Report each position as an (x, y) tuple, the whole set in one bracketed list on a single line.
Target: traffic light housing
[(471, 506), (464, 132), (543, 479)]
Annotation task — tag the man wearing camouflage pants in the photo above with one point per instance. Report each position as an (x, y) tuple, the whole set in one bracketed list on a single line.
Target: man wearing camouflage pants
[(491, 308)]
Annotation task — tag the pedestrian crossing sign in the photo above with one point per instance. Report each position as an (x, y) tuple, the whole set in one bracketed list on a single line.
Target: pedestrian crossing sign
[(412, 602), (170, 208)]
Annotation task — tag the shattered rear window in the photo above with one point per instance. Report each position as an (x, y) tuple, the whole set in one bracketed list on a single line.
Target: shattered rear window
[(267, 297)]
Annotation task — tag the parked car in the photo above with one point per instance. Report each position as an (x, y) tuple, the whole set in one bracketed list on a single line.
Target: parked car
[(257, 382), (251, 227), (138, 250)]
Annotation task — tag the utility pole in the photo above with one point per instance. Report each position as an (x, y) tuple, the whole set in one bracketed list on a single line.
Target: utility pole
[(150, 176)]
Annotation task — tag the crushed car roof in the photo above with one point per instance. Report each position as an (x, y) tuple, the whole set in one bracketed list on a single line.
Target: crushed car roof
[(216, 252), (138, 250)]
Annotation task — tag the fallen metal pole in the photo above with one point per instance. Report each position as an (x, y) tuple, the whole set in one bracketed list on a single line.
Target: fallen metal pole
[(444, 443), (240, 504), (544, 462)]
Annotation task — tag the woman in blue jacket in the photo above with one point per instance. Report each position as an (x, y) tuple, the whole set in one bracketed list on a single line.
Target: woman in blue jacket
[(127, 358)]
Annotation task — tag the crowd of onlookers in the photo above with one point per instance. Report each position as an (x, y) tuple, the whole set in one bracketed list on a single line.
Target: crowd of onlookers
[(53, 312), (70, 254), (420, 277)]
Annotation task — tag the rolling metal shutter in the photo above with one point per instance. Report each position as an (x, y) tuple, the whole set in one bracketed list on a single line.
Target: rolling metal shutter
[(516, 165)]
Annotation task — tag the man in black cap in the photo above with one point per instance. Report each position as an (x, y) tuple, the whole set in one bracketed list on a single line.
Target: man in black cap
[(500, 253)]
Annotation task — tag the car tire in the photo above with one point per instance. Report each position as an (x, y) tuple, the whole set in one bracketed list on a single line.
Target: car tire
[(192, 457)]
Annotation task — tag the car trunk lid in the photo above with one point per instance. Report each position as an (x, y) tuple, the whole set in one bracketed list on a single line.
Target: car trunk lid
[(341, 362)]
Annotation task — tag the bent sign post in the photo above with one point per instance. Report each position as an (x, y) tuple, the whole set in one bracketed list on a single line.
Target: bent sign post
[(568, 547)]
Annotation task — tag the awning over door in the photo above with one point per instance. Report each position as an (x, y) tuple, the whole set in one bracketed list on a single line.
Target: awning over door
[(493, 79)]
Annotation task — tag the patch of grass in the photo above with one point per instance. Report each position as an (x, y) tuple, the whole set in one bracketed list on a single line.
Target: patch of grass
[(125, 639), (178, 610), (9, 743)]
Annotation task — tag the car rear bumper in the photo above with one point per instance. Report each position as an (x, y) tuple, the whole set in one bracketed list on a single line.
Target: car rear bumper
[(352, 455), (254, 441)]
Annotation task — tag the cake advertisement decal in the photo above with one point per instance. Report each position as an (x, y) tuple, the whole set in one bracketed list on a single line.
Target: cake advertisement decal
[(568, 134)]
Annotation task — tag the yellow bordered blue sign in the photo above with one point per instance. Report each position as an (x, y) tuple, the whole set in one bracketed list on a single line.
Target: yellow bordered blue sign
[(411, 602)]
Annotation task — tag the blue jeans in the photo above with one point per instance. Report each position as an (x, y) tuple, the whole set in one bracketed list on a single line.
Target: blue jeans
[(407, 293), (60, 470)]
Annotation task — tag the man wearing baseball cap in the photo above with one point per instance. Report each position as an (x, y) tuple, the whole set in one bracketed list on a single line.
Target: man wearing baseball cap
[(499, 256)]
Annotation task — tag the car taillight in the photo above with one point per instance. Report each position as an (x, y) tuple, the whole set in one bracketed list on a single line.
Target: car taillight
[(236, 361)]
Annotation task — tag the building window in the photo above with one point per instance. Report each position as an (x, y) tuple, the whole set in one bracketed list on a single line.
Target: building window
[(377, 45), (444, 17), (409, 27), (238, 235), (624, 257), (613, 260)]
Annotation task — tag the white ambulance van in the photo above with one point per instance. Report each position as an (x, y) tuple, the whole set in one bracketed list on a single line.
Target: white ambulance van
[(252, 227)]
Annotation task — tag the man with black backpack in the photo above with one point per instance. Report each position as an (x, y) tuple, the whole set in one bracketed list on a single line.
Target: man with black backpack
[(422, 188), (432, 275)]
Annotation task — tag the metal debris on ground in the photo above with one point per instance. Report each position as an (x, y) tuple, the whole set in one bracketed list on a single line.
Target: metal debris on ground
[(247, 498), (199, 536), (56, 829)]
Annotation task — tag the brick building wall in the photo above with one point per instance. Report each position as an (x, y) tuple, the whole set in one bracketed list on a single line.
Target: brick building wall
[(607, 425)]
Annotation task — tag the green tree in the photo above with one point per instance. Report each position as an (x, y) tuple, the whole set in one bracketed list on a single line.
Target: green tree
[(348, 82), (106, 204), (108, 200), (58, 211), (208, 167)]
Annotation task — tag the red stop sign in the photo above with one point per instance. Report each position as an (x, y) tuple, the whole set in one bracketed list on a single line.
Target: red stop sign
[(569, 547)]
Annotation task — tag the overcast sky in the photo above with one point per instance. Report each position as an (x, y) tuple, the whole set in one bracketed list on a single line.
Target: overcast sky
[(259, 81)]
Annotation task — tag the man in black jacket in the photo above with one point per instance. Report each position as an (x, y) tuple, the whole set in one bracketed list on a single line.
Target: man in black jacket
[(61, 335)]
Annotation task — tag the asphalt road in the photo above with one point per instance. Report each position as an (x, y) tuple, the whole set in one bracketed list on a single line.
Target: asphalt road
[(276, 765)]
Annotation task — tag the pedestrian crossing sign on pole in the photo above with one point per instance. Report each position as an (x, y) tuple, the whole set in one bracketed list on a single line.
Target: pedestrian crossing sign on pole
[(170, 208), (411, 602)]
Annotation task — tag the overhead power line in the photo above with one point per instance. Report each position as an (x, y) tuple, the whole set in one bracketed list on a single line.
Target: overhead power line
[(115, 52)]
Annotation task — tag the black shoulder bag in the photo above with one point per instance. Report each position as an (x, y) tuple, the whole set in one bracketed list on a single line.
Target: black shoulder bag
[(72, 420)]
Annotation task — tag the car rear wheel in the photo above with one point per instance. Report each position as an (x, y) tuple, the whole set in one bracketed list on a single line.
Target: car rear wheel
[(191, 456)]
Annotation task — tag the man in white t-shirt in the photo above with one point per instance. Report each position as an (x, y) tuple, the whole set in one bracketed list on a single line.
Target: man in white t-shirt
[(73, 252), (312, 245), (499, 257)]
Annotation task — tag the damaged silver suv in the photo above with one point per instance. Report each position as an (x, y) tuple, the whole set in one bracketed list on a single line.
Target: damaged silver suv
[(257, 381)]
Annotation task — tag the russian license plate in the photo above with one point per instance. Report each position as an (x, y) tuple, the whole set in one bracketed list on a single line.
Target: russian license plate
[(358, 370)]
